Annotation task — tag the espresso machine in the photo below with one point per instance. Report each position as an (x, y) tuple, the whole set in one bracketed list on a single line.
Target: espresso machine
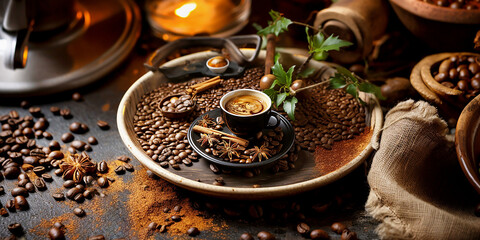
[(49, 46)]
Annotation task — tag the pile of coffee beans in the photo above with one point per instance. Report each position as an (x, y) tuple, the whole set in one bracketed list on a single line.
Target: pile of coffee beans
[(324, 116), (460, 72), (177, 104), (455, 4)]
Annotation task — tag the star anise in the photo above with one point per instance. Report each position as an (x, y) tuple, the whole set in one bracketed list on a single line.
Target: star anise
[(227, 149), (209, 139), (259, 152), (76, 166), (206, 121)]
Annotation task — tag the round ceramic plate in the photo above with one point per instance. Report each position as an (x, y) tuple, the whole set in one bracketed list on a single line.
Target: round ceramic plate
[(287, 141), (311, 171)]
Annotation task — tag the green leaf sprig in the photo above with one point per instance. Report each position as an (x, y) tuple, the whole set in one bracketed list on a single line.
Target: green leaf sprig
[(319, 46), (279, 91), (278, 24), (353, 84)]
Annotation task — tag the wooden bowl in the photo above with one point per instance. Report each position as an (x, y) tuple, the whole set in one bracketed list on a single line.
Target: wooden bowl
[(442, 28), (467, 142), (304, 177)]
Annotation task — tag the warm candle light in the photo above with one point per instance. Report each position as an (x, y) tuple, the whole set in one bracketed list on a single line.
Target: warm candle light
[(197, 17), (185, 10)]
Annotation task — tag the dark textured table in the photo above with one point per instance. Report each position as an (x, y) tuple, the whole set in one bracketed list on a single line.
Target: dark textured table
[(114, 214)]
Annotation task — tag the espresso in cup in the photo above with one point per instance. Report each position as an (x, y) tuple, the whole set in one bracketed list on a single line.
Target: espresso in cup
[(247, 111), (245, 105)]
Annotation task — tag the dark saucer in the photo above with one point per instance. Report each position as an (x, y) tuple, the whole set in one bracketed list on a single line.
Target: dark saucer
[(287, 141)]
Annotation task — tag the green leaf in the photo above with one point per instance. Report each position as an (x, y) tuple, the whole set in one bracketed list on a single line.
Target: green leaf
[(306, 73), (280, 98), (278, 71), (257, 26), (371, 88), (289, 107), (288, 76), (276, 57), (277, 26), (345, 72), (271, 93), (352, 90), (337, 82), (334, 43)]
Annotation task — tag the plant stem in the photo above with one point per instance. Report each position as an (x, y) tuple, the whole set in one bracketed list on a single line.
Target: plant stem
[(308, 87), (270, 55), (305, 25), (300, 69)]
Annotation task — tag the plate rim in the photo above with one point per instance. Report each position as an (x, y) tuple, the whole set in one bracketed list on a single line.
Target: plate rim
[(239, 192)]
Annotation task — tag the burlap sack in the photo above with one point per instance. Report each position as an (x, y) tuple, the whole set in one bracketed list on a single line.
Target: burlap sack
[(418, 190)]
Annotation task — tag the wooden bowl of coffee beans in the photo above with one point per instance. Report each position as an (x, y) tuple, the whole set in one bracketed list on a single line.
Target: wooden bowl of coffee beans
[(176, 106), (448, 78), (444, 25), (467, 142)]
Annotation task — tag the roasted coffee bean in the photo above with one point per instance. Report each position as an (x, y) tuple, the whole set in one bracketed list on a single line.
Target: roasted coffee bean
[(25, 104), (21, 203), (103, 125), (152, 226), (3, 212), (65, 113), (176, 218), (10, 205), (23, 182), (120, 170), (11, 172), (92, 140), (39, 170), (47, 177), (303, 228), (163, 228), (67, 137), (264, 235), (58, 196), (79, 212), (193, 231), (35, 111), (16, 229), (348, 235), (246, 236), (77, 97), (88, 194), (40, 184), (79, 198), (59, 225), (255, 211), (129, 167), (164, 164), (69, 184), (102, 182), (87, 180), (319, 234), (55, 110), (87, 148), (102, 167), (76, 127), (19, 191), (40, 125), (177, 208), (55, 233), (30, 187), (58, 172), (214, 168), (54, 145), (338, 227), (78, 145), (97, 237), (2, 190), (123, 158), (72, 192)]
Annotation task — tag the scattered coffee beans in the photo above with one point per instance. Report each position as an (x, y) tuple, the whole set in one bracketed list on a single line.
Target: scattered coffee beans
[(193, 231), (79, 212), (264, 235), (55, 233)]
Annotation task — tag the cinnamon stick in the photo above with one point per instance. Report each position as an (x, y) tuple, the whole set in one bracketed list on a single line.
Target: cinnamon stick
[(204, 85), (204, 82), (225, 136)]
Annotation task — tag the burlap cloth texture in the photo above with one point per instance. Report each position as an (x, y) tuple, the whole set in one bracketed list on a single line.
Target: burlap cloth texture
[(417, 188)]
